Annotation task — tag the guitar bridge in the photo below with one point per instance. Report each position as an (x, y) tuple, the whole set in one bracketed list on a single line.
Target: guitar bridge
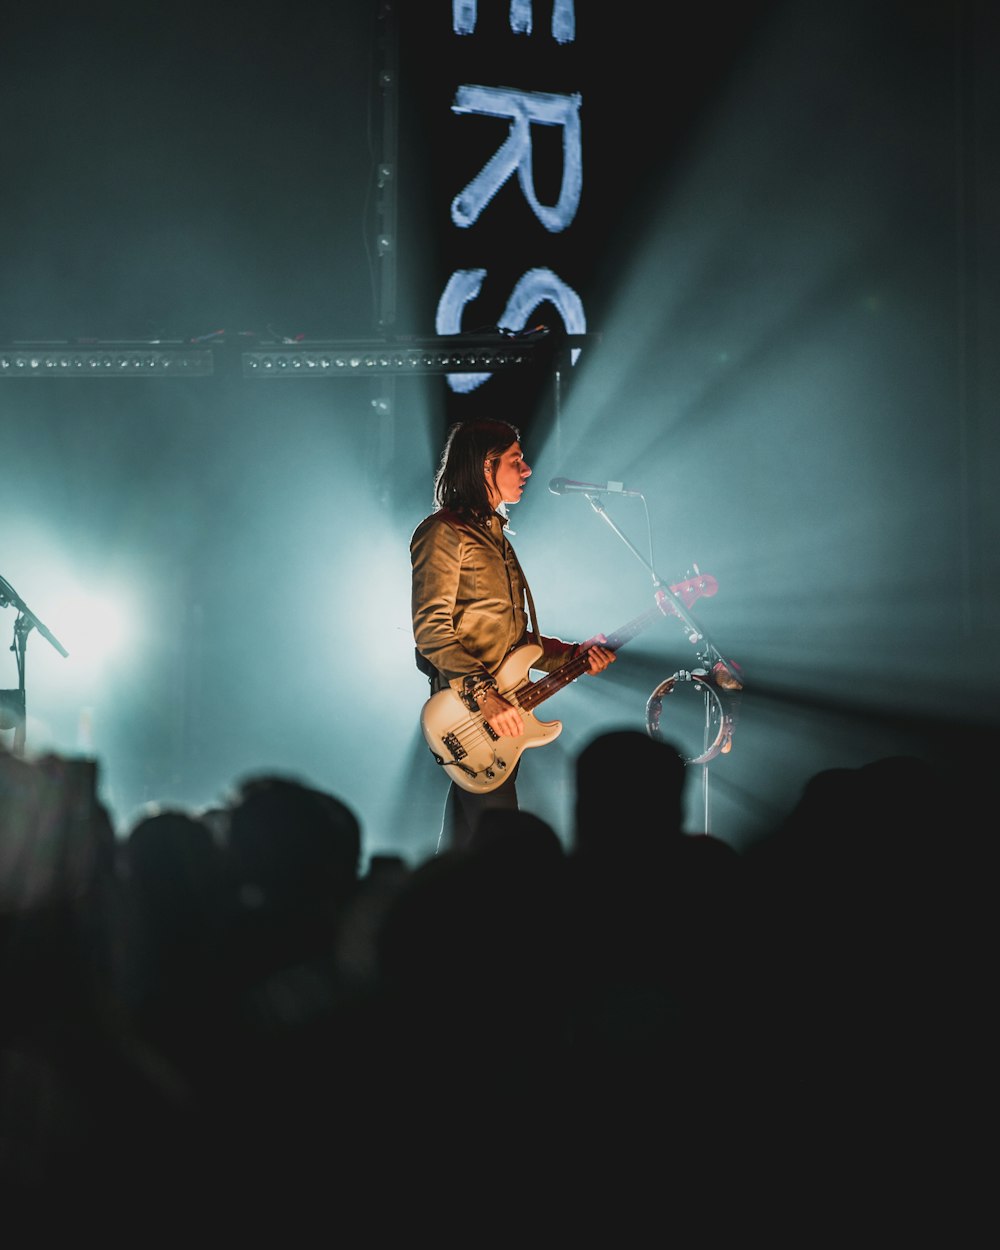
[(452, 744)]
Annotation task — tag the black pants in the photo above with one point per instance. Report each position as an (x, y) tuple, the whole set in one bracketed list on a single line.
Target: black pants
[(462, 810)]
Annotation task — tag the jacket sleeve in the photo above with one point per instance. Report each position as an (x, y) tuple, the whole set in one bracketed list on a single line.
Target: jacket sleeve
[(555, 652)]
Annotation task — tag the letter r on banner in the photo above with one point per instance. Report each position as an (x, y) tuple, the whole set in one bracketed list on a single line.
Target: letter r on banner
[(514, 154)]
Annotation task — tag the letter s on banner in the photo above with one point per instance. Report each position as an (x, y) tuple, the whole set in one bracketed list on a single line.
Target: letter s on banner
[(534, 287)]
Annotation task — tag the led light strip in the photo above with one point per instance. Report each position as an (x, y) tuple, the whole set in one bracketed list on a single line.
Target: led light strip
[(104, 361)]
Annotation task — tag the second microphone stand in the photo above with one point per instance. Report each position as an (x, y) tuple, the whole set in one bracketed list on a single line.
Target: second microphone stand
[(13, 705)]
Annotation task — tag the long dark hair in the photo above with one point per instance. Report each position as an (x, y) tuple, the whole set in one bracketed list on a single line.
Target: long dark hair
[(459, 483)]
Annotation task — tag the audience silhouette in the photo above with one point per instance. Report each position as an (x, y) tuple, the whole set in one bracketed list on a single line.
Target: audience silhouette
[(215, 1004), (175, 952), (93, 1115)]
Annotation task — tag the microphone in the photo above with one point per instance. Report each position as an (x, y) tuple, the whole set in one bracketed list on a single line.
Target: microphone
[(565, 486)]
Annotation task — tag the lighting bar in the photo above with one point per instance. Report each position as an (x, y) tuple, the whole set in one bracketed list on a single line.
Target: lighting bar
[(361, 358), (105, 360), (459, 353)]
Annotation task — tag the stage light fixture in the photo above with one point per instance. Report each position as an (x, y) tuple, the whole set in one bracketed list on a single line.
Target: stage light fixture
[(413, 356), (109, 359), (302, 359)]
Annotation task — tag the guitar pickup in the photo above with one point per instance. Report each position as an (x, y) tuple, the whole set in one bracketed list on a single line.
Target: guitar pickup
[(451, 743)]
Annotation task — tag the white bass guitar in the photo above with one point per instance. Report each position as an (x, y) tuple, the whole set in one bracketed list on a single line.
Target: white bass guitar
[(465, 746)]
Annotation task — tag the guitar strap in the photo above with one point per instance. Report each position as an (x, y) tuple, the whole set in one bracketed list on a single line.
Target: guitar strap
[(533, 619)]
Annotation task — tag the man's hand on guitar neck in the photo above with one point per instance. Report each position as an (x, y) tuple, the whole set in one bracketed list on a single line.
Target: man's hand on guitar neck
[(598, 656)]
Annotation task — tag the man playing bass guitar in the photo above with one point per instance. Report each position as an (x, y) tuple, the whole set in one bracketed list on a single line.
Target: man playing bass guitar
[(471, 609)]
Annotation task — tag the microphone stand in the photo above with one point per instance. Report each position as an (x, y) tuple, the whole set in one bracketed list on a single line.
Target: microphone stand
[(708, 652), (13, 708)]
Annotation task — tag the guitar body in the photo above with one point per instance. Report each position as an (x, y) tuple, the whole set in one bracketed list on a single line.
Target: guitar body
[(465, 746), (461, 741)]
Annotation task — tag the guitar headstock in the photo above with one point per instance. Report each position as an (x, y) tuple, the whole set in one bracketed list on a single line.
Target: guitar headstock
[(688, 591)]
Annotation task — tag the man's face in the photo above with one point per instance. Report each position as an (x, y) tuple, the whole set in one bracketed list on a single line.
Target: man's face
[(512, 472)]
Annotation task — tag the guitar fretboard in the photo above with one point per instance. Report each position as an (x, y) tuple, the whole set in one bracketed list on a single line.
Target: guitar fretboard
[(537, 692), (552, 683)]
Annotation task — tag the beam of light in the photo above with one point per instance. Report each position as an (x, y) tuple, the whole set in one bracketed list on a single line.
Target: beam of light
[(99, 626), (773, 374)]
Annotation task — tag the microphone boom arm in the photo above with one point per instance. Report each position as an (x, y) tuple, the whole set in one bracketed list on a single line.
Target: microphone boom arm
[(696, 635), (10, 598), (13, 713)]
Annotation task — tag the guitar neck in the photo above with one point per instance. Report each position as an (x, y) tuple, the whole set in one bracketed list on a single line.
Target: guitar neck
[(553, 682)]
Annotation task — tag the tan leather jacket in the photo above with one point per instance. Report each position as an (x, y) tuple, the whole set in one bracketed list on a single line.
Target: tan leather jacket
[(468, 600)]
